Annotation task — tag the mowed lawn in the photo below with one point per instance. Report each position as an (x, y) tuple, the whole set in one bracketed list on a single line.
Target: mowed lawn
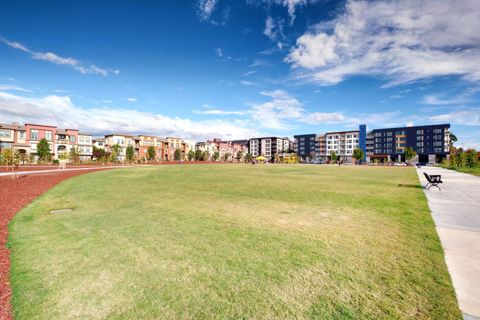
[(231, 241)]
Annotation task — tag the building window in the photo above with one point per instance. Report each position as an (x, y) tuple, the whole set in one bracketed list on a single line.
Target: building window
[(389, 134), (437, 131), (419, 131), (72, 139), (33, 134), (419, 144), (437, 137), (5, 144), (420, 138), (437, 143), (5, 133), (21, 135), (48, 135), (437, 150), (420, 150)]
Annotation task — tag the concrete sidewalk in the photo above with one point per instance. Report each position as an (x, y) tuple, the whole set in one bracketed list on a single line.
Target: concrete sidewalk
[(456, 212)]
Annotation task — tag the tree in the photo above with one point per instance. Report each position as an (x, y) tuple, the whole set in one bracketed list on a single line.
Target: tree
[(112, 156), (216, 155), (358, 154), (226, 156), (43, 150), (150, 153), (98, 153), (191, 155), (334, 156), (453, 139), (129, 153), (205, 155), (7, 156), (471, 158), (74, 155), (116, 148), (248, 157), (198, 155), (239, 155), (177, 155), (409, 154)]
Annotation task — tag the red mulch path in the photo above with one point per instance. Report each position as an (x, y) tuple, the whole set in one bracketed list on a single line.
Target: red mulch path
[(14, 195)]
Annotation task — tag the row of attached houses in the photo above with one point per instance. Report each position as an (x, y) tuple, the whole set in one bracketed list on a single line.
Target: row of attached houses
[(227, 150), (25, 138), (430, 142)]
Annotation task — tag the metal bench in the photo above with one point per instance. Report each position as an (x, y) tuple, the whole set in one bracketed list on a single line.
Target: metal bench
[(433, 180)]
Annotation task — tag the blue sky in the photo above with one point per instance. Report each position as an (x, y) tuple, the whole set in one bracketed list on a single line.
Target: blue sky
[(234, 69)]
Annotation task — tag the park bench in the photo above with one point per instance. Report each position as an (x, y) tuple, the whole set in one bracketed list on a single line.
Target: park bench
[(433, 180)]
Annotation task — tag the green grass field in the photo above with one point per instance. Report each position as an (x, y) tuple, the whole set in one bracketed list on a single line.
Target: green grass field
[(231, 241)]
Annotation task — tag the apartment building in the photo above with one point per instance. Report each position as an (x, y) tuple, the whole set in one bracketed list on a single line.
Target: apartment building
[(143, 142), (207, 146), (430, 142), (269, 147), (85, 146), (14, 136), (305, 146), (170, 145), (99, 143), (122, 140), (342, 143)]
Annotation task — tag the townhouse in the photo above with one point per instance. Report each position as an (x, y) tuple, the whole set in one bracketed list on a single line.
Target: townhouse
[(14, 136), (143, 143), (122, 140)]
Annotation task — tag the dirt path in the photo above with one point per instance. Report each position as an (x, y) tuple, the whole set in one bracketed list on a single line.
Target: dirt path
[(14, 195)]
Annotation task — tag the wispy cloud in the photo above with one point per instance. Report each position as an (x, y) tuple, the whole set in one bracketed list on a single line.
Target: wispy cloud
[(463, 97), (58, 60), (131, 99), (249, 73), (465, 117), (401, 41), (274, 31), (248, 83), (206, 9), (9, 87), (219, 52), (209, 110)]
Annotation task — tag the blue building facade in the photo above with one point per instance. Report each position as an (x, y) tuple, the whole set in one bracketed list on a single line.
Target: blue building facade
[(305, 146), (429, 142), (362, 140)]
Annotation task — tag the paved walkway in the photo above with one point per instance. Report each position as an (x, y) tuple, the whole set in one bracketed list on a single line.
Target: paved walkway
[(61, 170), (456, 212)]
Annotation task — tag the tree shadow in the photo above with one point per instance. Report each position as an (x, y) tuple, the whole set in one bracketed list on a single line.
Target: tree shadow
[(413, 186)]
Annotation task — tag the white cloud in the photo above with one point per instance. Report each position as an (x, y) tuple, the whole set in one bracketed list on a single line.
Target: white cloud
[(56, 59), (52, 110), (219, 52), (210, 110), (274, 31), (271, 114), (325, 117), (131, 99), (249, 73), (9, 87), (291, 5), (465, 117), (248, 83), (396, 96), (400, 40), (107, 101), (440, 99), (205, 9)]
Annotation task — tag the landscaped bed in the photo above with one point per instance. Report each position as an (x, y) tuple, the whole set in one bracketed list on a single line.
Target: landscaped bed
[(239, 241)]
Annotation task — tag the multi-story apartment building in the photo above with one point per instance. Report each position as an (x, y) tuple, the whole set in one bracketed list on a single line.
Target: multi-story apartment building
[(14, 136), (170, 145), (99, 143), (207, 146), (85, 146), (430, 142), (342, 143), (305, 146), (321, 146), (143, 142), (35, 133), (122, 140), (269, 147)]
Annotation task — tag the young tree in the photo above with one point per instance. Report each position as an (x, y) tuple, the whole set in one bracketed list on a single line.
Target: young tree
[(129, 153), (334, 156), (112, 156), (43, 150), (116, 148), (74, 155), (216, 155), (150, 153), (98, 153), (191, 155), (453, 139), (471, 158), (198, 155), (7, 156), (205, 156), (226, 156), (248, 157), (358, 154), (409, 154), (239, 155), (177, 155)]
